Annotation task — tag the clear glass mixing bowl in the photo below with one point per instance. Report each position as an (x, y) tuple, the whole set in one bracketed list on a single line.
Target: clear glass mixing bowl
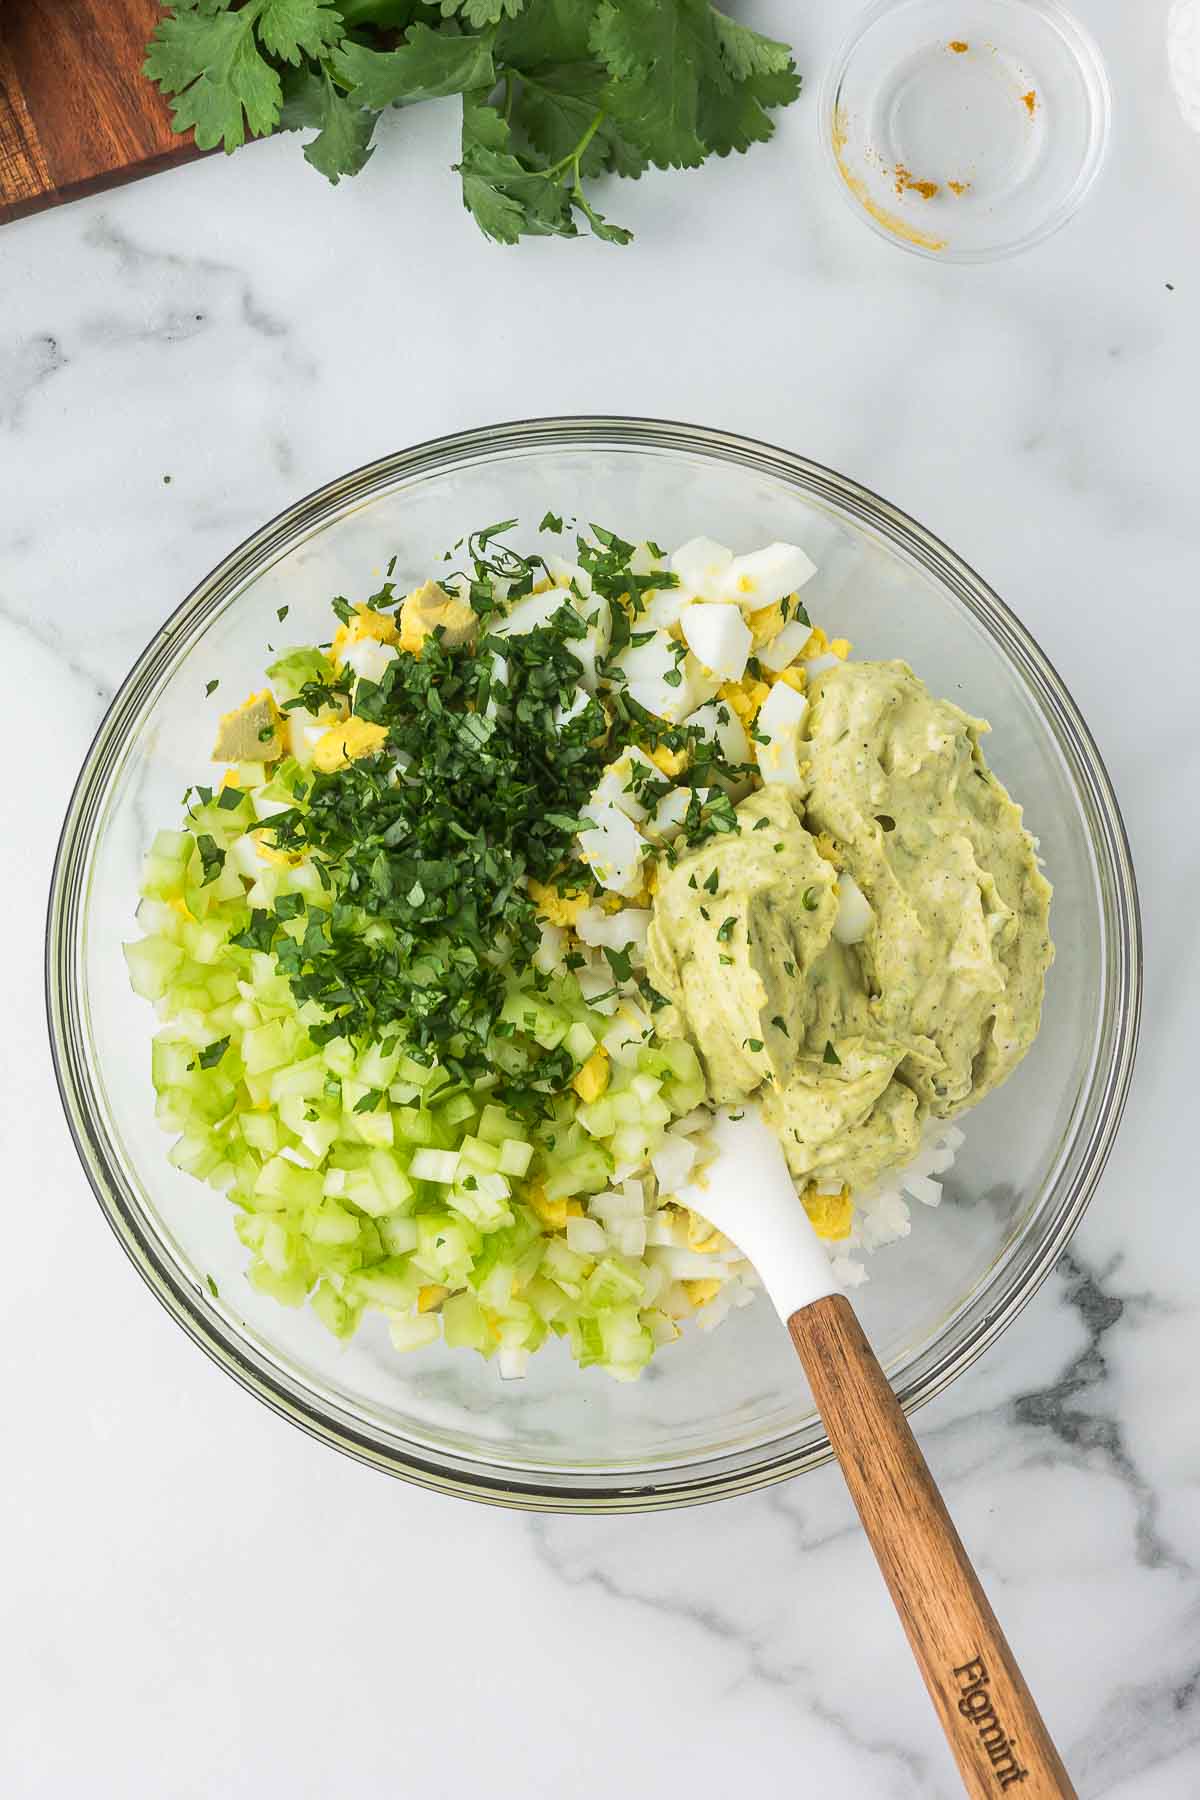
[(716, 1414)]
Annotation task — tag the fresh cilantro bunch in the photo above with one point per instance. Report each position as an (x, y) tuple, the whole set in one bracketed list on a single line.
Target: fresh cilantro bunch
[(554, 92)]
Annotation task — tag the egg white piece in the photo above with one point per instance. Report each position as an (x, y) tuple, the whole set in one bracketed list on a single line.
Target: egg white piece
[(786, 645), (647, 667), (613, 787), (615, 931), (718, 637), (666, 821), (854, 914), (817, 665), (369, 658), (530, 612), (721, 725), (763, 576), (700, 565), (592, 647), (564, 573), (779, 721), (613, 847)]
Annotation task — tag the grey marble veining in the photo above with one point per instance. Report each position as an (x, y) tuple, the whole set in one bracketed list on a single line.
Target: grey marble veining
[(197, 1599)]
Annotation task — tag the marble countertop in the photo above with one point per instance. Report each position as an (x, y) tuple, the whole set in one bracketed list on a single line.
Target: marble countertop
[(198, 1600)]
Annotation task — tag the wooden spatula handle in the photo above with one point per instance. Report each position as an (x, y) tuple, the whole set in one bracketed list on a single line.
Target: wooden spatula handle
[(991, 1723)]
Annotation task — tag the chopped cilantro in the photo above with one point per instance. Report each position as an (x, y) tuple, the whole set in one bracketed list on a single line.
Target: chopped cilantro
[(210, 1056), (210, 688), (831, 1055), (281, 613), (212, 857), (229, 798), (754, 1045), (779, 1025), (369, 1101), (551, 522), (809, 899), (726, 929), (761, 824), (710, 886)]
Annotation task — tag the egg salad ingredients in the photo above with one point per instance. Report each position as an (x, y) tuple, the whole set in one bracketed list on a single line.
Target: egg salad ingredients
[(553, 96), (876, 944), (503, 888)]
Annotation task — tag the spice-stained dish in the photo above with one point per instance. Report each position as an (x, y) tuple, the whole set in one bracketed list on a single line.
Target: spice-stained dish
[(530, 866)]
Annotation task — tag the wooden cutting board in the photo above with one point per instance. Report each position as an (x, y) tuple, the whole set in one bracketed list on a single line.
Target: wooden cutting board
[(76, 112)]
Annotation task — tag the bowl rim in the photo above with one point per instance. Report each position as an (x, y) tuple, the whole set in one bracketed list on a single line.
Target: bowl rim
[(679, 1485)]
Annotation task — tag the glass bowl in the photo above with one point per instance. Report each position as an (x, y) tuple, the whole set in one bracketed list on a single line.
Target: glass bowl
[(717, 1413), (966, 129)]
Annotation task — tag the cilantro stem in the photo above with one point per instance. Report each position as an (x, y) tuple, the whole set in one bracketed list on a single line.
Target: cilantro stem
[(571, 159)]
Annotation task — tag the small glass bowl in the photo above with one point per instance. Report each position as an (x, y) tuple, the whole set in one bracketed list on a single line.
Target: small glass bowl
[(717, 1413), (966, 129)]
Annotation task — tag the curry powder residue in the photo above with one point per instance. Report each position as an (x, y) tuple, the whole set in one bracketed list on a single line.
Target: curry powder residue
[(898, 227), (1029, 101), (957, 45), (958, 187), (907, 183)]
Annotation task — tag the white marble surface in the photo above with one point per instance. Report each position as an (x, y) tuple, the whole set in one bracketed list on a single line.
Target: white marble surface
[(198, 1601)]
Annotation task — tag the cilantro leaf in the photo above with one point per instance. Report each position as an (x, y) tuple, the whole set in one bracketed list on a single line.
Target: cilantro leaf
[(506, 195), (657, 53), (427, 66), (216, 62), (210, 1056), (342, 145), (481, 12)]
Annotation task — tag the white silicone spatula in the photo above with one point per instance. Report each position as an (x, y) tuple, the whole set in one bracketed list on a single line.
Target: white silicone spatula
[(993, 1728)]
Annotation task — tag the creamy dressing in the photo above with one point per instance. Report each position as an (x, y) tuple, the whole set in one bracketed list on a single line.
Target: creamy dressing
[(849, 1047)]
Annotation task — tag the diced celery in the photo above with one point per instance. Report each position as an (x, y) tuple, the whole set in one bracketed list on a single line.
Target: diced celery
[(330, 1223), (454, 1112), (496, 1125), (434, 1165), (475, 1154), (545, 1023), (391, 1284), (282, 1185), (611, 1284), (411, 1125), (585, 1172), (580, 1042), (597, 1117), (266, 1047), (464, 1326), (515, 1157), (151, 962), (412, 1331), (397, 1233), (288, 1287), (335, 1313)]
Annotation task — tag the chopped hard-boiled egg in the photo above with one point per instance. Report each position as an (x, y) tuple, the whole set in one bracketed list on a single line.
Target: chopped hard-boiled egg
[(718, 636), (786, 645), (701, 564), (345, 742), (613, 847), (553, 904), (566, 574), (365, 626), (854, 914), (615, 785), (779, 720), (251, 732), (664, 679), (430, 608), (764, 576), (721, 725), (666, 821), (369, 658), (613, 931), (533, 611)]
